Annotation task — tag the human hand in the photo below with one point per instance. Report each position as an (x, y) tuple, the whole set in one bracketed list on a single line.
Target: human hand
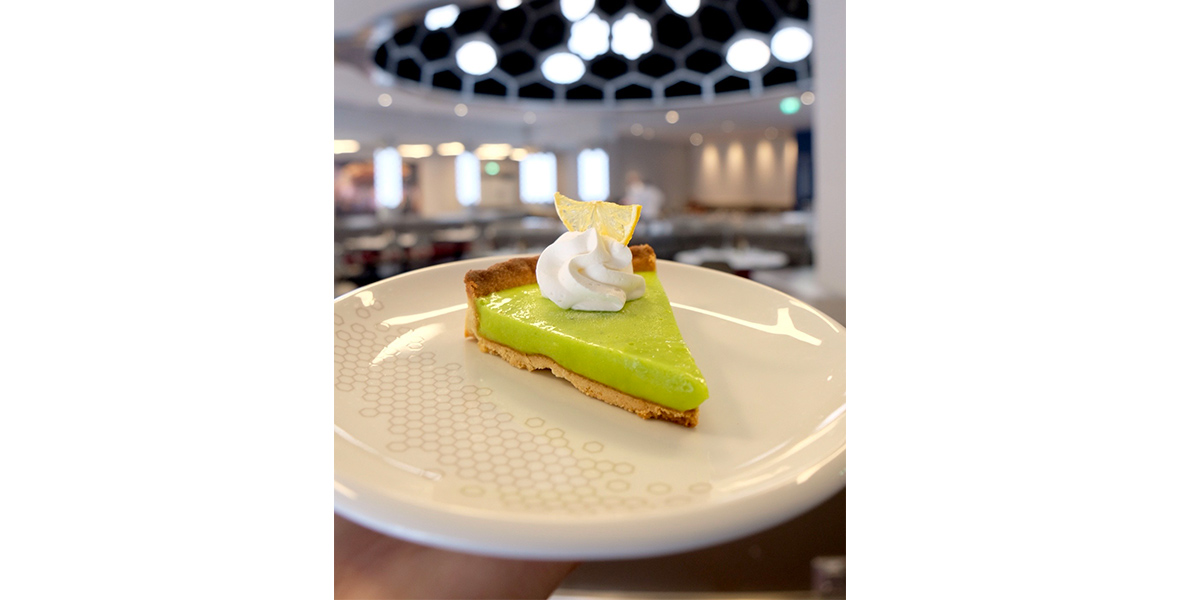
[(374, 565)]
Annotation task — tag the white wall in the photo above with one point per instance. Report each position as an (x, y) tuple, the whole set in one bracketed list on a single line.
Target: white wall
[(436, 176), (744, 171), (567, 173), (663, 164), (740, 170), (829, 242), (502, 190)]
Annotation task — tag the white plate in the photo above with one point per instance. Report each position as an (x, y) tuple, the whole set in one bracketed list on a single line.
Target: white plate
[(441, 444)]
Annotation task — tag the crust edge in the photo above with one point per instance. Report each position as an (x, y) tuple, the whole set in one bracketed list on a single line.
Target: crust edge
[(589, 387)]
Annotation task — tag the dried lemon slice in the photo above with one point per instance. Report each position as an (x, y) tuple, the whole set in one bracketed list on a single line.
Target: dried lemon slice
[(615, 221)]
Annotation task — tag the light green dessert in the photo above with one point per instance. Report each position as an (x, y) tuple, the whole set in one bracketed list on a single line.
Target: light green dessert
[(635, 358), (638, 350)]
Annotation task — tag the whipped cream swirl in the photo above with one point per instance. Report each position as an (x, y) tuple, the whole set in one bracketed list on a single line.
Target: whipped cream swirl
[(583, 270)]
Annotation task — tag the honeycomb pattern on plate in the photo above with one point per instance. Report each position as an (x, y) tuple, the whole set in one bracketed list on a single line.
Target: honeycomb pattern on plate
[(522, 462)]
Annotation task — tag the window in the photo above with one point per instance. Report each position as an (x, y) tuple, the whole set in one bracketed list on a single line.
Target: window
[(538, 178), (593, 175), (387, 177), (467, 179)]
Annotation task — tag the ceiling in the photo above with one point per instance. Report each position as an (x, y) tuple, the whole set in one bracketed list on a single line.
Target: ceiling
[(416, 114)]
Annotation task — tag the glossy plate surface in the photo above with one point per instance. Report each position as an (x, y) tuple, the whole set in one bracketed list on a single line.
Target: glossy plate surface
[(441, 444)]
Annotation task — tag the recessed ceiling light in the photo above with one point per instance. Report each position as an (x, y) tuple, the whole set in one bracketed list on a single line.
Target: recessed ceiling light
[(684, 8), (530, 117), (415, 150), (747, 55), (672, 116), (696, 139), (384, 99), (461, 110), (418, 43), (574, 10), (563, 68), (347, 146), (791, 44), (807, 98), (631, 36), (441, 17), (590, 37), (476, 57), (450, 149), (493, 151)]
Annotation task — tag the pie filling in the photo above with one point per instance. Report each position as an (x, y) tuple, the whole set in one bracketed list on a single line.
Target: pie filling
[(637, 350)]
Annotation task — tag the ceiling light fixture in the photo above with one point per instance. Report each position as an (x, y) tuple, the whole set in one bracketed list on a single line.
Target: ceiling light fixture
[(631, 36), (441, 17), (518, 154), (476, 51), (563, 68), (450, 149), (384, 99), (747, 55), (574, 10), (493, 151), (415, 150), (590, 37), (476, 57), (807, 98), (684, 8), (672, 116), (791, 44), (347, 146), (696, 139), (461, 110)]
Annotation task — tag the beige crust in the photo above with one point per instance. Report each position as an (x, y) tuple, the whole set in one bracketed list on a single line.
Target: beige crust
[(521, 271)]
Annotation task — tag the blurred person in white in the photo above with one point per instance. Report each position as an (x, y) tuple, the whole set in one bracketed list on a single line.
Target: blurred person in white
[(645, 194)]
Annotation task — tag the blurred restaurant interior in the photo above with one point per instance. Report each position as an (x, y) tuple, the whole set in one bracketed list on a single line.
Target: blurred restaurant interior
[(455, 123)]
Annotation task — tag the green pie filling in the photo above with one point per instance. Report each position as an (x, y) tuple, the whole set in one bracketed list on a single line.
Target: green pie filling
[(638, 350)]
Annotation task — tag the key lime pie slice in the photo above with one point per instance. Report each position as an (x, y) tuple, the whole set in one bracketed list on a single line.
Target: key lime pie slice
[(591, 310)]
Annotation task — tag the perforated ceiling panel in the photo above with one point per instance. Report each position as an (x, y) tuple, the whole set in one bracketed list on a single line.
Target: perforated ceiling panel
[(687, 59)]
